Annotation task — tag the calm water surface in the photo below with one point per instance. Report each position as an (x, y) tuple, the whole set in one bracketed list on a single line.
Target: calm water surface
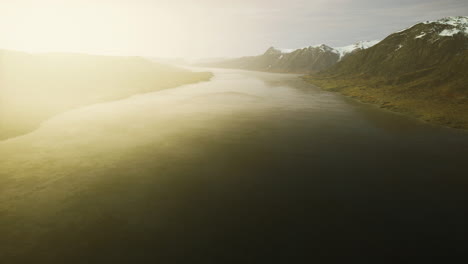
[(249, 167)]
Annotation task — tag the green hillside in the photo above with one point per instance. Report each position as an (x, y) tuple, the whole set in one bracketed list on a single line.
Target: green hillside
[(421, 71)]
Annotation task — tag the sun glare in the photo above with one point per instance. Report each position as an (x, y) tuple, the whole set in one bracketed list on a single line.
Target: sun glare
[(123, 28)]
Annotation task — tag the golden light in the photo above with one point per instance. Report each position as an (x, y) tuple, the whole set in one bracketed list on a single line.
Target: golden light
[(153, 28)]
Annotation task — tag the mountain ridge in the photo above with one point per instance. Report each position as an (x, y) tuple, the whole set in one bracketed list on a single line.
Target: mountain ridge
[(303, 60), (420, 71)]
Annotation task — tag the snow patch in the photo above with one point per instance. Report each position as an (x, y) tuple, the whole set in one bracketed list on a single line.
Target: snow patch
[(455, 21), (459, 24), (322, 47), (286, 51), (343, 51), (449, 32), (421, 35)]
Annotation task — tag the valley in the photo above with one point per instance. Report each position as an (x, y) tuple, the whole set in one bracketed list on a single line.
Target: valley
[(420, 71)]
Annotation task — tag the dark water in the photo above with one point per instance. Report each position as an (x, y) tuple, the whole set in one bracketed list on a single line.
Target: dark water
[(247, 168)]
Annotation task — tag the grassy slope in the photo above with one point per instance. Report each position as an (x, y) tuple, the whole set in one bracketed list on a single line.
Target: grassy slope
[(35, 87), (400, 98), (425, 78)]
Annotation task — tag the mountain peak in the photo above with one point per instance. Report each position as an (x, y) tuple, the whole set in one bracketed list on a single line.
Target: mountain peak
[(272, 51), (453, 25), (322, 47), (361, 45), (456, 21)]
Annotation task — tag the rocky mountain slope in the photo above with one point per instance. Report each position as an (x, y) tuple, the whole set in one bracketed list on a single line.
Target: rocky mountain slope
[(305, 60), (422, 70)]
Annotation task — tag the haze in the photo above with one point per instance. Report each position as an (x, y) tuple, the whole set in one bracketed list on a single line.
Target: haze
[(353, 151), (205, 28)]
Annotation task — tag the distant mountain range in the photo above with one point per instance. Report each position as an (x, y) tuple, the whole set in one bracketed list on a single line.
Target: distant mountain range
[(421, 70), (305, 60)]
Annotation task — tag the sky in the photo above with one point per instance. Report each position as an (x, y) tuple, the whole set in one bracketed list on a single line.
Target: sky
[(206, 28)]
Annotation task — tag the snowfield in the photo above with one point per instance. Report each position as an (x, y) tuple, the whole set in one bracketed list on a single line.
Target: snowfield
[(343, 51), (459, 24), (455, 21), (449, 32)]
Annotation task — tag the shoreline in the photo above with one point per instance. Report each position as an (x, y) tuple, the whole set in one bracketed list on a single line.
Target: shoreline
[(35, 124), (366, 95)]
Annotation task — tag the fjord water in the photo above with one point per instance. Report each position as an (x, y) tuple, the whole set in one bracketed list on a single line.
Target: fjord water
[(249, 166)]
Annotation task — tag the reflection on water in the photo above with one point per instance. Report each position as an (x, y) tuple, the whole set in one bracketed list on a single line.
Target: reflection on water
[(247, 166)]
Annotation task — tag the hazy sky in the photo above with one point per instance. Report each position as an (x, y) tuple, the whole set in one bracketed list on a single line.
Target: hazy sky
[(206, 28)]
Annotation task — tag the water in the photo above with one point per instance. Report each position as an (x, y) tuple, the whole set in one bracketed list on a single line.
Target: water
[(250, 167)]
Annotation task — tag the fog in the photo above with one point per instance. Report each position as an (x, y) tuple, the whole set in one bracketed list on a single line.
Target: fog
[(35, 87)]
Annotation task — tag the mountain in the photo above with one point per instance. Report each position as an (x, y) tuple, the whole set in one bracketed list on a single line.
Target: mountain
[(34, 87), (422, 71), (305, 60), (362, 45)]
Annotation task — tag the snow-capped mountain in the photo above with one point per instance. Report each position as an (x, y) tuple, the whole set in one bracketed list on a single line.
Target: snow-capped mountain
[(341, 51), (362, 45), (303, 60), (421, 70), (425, 45), (417, 47), (457, 25)]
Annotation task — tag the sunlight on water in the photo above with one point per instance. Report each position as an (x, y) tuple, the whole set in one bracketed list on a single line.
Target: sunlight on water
[(170, 159)]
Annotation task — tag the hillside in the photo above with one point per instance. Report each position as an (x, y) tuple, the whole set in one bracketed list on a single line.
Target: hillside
[(305, 60), (34, 87), (421, 71)]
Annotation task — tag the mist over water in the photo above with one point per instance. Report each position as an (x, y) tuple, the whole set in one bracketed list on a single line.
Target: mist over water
[(246, 166)]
